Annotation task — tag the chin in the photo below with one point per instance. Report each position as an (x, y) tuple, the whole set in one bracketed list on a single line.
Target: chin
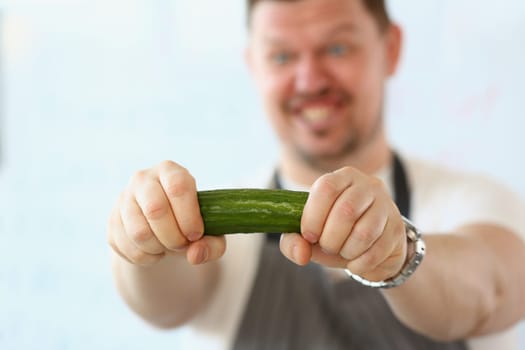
[(323, 160), (330, 151)]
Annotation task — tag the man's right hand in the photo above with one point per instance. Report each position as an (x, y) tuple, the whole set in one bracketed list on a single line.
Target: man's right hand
[(158, 214)]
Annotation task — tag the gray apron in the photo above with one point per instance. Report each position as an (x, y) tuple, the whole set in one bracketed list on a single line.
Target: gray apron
[(298, 308)]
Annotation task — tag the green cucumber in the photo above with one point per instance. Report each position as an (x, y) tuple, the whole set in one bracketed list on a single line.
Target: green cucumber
[(251, 210)]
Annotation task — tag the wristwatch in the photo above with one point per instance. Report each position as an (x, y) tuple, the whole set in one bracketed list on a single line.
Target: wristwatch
[(413, 260)]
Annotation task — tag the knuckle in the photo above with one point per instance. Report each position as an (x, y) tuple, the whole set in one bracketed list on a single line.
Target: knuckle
[(139, 177), (350, 172), (154, 209), (141, 235), (376, 182), (327, 186), (377, 185), (178, 183), (347, 209), (362, 235), (347, 169), (167, 164)]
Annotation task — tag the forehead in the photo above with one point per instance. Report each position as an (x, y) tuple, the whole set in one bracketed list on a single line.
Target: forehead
[(274, 19)]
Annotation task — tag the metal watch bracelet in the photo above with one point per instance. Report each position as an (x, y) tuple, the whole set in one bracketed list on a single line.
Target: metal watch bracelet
[(413, 261)]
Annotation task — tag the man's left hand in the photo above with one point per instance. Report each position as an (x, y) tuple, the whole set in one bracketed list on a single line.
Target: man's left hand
[(350, 221)]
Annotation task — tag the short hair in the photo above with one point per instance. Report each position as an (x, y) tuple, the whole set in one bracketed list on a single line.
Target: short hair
[(377, 8)]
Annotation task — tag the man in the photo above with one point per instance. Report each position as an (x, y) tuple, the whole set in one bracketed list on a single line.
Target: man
[(321, 68)]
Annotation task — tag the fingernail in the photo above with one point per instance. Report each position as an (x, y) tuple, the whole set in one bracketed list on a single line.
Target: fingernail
[(310, 237), (202, 256), (295, 253), (192, 237)]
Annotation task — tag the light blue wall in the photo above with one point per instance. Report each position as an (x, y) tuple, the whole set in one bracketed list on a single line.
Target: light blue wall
[(95, 90)]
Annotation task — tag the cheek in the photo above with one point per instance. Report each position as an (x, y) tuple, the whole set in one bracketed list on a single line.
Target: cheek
[(374, 74), (353, 76), (364, 83), (359, 73), (275, 94), (372, 88), (274, 89)]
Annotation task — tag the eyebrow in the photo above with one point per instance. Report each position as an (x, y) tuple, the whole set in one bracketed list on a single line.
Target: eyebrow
[(271, 41), (342, 28)]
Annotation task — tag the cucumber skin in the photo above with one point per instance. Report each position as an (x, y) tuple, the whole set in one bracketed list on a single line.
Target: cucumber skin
[(251, 211)]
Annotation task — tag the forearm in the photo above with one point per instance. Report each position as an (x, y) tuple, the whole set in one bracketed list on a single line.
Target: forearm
[(168, 293), (469, 284)]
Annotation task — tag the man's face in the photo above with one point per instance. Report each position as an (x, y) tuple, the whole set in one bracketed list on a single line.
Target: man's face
[(321, 66)]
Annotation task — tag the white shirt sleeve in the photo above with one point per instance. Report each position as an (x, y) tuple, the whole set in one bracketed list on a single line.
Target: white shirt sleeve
[(444, 200)]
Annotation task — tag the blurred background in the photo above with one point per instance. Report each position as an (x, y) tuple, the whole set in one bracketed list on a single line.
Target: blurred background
[(92, 91)]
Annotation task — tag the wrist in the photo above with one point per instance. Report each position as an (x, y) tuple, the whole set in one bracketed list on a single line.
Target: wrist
[(415, 252)]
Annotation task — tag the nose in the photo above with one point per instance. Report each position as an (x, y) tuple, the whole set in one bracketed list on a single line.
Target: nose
[(311, 77)]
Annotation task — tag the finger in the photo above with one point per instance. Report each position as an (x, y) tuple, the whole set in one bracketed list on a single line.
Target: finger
[(157, 210), (116, 249), (112, 227), (123, 246), (137, 228), (323, 194), (346, 211), (365, 231), (385, 257), (114, 221), (296, 248), (329, 260), (181, 191), (206, 249)]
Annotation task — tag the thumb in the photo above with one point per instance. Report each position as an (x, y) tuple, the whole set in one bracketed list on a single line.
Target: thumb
[(296, 248)]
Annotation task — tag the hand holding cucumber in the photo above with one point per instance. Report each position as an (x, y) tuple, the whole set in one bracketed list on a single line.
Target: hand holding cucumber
[(348, 220), (157, 214)]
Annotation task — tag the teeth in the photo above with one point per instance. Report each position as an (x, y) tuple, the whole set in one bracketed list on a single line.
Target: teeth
[(316, 114)]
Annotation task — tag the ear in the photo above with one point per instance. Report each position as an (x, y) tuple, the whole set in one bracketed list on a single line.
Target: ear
[(394, 43)]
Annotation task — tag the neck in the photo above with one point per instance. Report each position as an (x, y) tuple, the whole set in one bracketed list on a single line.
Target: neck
[(369, 159)]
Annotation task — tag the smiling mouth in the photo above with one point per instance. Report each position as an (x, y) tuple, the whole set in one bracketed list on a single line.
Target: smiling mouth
[(319, 111), (316, 114), (319, 119)]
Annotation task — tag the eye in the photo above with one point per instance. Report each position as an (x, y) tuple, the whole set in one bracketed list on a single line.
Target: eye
[(337, 50), (281, 58)]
